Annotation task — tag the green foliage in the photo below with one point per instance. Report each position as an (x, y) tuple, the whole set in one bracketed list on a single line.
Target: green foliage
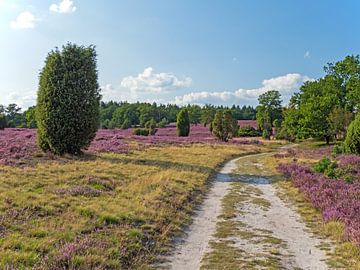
[(139, 113), (30, 117), (163, 123), (183, 123), (325, 107), (326, 166), (269, 110), (223, 126), (339, 120), (338, 149), (14, 117), (248, 131), (151, 126), (2, 121), (67, 110), (352, 140), (194, 114), (126, 124), (141, 131), (348, 72), (207, 114), (266, 134)]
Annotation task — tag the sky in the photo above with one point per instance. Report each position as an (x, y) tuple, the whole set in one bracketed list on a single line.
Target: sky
[(181, 51)]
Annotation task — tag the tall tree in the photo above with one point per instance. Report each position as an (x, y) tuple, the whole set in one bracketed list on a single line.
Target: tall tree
[(67, 109), (269, 109)]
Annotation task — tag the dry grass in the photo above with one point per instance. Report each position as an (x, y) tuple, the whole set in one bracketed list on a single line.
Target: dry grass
[(113, 211)]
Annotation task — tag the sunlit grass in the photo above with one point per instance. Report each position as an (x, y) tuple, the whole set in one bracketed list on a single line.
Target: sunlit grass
[(110, 211)]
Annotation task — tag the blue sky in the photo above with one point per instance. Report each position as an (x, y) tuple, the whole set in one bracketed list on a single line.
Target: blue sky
[(222, 52)]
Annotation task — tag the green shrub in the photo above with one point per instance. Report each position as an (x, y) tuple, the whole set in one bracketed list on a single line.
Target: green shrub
[(352, 140), (151, 126), (163, 123), (141, 132), (223, 126), (67, 110), (2, 121), (326, 166), (266, 134), (183, 123), (338, 149), (248, 131)]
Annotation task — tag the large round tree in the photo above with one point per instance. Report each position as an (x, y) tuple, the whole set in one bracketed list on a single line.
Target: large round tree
[(67, 110)]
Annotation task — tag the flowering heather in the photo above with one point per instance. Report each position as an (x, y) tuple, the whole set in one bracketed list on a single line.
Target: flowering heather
[(16, 144), (251, 123), (19, 144), (335, 198)]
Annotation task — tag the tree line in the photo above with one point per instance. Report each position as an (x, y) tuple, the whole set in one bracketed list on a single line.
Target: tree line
[(325, 109), (125, 115)]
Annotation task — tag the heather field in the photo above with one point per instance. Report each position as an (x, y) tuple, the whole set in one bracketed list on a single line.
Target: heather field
[(332, 196), (19, 145), (115, 207)]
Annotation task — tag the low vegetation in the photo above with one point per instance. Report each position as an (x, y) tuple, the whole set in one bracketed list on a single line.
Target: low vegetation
[(108, 211)]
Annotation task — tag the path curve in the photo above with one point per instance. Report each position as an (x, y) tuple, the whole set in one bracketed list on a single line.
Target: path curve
[(301, 251)]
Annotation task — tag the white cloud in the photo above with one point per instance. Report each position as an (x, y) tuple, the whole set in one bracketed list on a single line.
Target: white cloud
[(25, 20), (307, 54), (286, 85), (22, 99), (65, 6), (150, 82)]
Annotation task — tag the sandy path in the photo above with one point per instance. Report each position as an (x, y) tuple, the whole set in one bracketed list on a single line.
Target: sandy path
[(297, 249)]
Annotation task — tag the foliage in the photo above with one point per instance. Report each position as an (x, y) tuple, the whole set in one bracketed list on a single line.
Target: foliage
[(325, 107), (163, 123), (248, 131), (352, 140), (183, 123), (336, 198), (269, 110), (339, 120), (348, 72), (30, 117), (2, 121), (326, 166), (266, 134), (141, 132), (14, 117), (67, 109), (151, 126), (223, 126)]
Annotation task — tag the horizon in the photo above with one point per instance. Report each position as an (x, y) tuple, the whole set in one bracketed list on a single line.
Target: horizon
[(180, 52)]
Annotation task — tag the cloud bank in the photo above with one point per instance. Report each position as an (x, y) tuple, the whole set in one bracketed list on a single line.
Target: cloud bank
[(286, 85), (150, 82)]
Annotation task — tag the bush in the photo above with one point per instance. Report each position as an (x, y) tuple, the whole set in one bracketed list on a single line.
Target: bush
[(338, 149), (326, 166), (2, 121), (151, 126), (223, 126), (141, 132), (352, 140), (163, 123), (67, 110), (248, 131), (183, 123), (266, 134)]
